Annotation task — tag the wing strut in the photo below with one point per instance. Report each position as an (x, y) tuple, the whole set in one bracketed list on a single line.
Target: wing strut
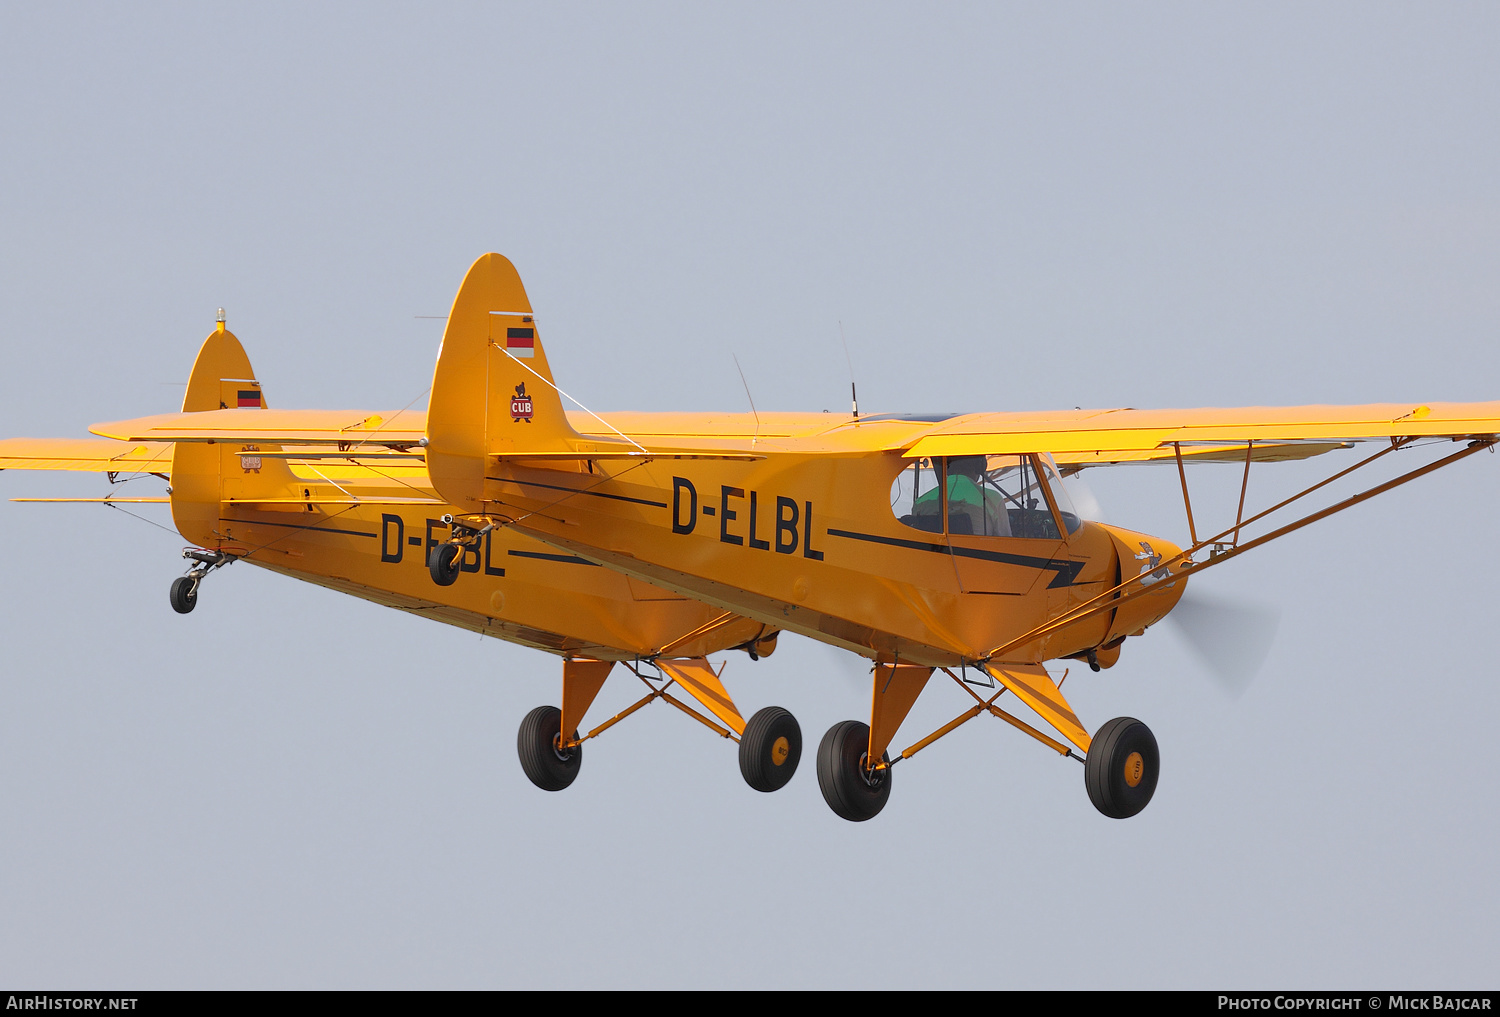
[(1182, 564)]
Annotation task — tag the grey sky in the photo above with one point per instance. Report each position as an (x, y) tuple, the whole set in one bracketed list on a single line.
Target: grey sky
[(1008, 207)]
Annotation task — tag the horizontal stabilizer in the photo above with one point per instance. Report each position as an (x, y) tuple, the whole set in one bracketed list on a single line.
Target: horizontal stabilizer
[(635, 455), (99, 501), (279, 427), (349, 500), (96, 455), (350, 455)]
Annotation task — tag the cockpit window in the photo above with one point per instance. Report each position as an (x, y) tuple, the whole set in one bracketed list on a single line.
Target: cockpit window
[(1014, 503), (914, 496), (987, 496)]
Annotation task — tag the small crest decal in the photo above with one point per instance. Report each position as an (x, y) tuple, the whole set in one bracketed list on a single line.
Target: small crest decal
[(520, 405)]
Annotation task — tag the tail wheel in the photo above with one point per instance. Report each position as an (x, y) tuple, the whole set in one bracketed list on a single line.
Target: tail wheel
[(851, 789), (770, 749), (548, 767), (184, 594), (1122, 766), (443, 563)]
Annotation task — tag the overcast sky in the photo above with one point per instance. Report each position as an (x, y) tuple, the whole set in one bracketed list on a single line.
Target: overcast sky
[(1006, 207)]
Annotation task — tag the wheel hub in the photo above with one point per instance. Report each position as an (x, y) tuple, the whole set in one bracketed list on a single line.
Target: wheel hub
[(1135, 769)]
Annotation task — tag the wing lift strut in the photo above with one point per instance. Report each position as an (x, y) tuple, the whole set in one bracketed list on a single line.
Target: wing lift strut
[(1227, 544)]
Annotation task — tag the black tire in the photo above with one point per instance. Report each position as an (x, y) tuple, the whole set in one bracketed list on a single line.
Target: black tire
[(183, 596), (443, 563), (1122, 766), (536, 743), (851, 791), (770, 749)]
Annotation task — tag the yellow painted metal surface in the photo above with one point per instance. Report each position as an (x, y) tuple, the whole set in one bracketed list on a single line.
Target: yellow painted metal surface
[(697, 678), (582, 680), (1096, 431), (95, 455), (1034, 686), (363, 524), (286, 427), (896, 688)]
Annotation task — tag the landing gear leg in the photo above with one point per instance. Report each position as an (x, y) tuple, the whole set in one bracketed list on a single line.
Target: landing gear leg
[(184, 591)]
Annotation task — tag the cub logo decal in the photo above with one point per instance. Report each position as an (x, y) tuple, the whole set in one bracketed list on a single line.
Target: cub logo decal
[(520, 405)]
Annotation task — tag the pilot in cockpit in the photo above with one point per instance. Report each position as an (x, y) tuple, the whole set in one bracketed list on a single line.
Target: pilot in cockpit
[(973, 507)]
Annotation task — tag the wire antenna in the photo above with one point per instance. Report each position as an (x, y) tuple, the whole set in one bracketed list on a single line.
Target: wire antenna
[(853, 394), (750, 397)]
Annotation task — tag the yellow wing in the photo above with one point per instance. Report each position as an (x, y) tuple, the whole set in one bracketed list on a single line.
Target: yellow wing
[(97, 455), (1105, 436)]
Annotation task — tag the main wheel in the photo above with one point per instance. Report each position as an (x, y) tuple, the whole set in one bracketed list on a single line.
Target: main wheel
[(770, 749), (1122, 766), (184, 596), (850, 788), (548, 767), (443, 563)]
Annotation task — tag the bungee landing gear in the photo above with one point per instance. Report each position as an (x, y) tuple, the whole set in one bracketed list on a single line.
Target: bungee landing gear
[(446, 559), (184, 590)]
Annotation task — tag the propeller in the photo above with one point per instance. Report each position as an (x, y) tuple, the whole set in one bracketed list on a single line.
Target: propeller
[(1232, 637)]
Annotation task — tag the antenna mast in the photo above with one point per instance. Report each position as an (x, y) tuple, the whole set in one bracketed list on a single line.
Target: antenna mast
[(853, 394), (750, 397)]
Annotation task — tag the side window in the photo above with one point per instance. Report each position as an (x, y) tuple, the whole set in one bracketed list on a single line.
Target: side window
[(915, 498)]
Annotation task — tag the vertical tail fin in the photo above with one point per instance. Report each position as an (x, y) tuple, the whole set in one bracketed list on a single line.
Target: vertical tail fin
[(222, 378), (492, 390)]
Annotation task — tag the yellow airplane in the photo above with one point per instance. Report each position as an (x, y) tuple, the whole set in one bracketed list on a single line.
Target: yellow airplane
[(355, 512), (924, 543)]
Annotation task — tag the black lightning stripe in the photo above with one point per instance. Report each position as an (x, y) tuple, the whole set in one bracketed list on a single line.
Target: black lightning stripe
[(1066, 570), (571, 559), (574, 490), (295, 526)]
